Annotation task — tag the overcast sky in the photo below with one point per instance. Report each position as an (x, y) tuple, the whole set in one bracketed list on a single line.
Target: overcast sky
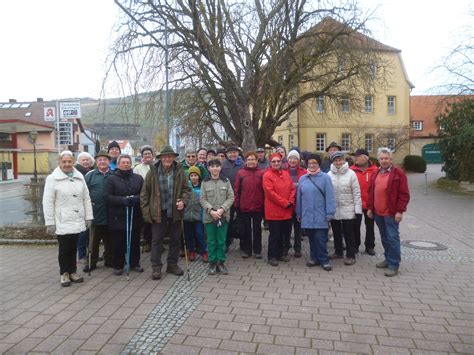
[(57, 48)]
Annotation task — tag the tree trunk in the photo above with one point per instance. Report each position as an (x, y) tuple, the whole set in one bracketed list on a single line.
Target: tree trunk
[(248, 134)]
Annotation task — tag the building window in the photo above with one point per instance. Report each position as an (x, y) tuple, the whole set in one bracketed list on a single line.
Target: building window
[(391, 102), (345, 106), (417, 125), (373, 69), (320, 142), (346, 142), (291, 140), (369, 142), (280, 140), (391, 142), (368, 103), (320, 104)]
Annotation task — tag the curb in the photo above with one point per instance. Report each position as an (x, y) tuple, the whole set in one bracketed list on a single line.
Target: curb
[(27, 242)]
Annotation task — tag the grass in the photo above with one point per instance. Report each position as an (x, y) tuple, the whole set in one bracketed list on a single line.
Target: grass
[(451, 185), (26, 232)]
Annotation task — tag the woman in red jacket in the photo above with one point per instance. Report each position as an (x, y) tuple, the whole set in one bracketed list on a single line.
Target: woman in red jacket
[(248, 200), (279, 206)]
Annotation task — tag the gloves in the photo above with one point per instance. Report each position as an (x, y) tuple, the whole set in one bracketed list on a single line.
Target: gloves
[(88, 223), (135, 200), (51, 230)]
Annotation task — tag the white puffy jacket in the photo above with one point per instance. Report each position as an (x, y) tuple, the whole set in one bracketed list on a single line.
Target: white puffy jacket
[(346, 192), (66, 202)]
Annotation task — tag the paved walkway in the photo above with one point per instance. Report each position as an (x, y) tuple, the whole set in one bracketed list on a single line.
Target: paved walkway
[(290, 309)]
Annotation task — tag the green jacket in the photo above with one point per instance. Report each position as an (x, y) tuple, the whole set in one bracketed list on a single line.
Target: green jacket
[(202, 169), (150, 194), (216, 193), (95, 181)]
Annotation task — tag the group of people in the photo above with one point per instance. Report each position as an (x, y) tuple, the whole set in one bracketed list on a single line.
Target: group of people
[(199, 203)]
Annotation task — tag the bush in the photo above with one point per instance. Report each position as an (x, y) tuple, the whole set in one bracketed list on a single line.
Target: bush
[(414, 163), (374, 161)]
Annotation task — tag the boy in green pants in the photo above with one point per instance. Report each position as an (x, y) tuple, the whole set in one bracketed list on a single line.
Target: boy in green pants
[(217, 197)]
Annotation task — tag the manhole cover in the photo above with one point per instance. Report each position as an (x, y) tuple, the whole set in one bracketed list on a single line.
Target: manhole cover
[(424, 245)]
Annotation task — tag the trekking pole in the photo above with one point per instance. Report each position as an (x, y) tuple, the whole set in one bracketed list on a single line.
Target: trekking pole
[(89, 251), (185, 251), (129, 239)]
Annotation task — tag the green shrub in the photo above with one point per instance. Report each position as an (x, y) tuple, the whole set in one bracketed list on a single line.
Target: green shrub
[(414, 163), (374, 161)]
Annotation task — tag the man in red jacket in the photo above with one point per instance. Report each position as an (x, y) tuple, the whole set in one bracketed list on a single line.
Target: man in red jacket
[(388, 199), (364, 170)]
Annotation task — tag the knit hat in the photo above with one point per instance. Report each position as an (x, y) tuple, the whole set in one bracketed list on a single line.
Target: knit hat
[(333, 145), (293, 153), (103, 153), (194, 170), (167, 149), (113, 144), (336, 155), (146, 148)]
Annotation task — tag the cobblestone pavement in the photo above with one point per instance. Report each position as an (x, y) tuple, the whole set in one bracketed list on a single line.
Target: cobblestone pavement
[(289, 309)]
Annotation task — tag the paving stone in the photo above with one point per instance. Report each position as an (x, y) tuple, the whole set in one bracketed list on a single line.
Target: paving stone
[(214, 333), (25, 346), (240, 346), (199, 341), (292, 341), (242, 336), (274, 349), (244, 327)]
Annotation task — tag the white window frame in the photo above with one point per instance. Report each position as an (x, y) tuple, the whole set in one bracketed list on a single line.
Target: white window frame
[(345, 104), (320, 142), (291, 140), (391, 104), (369, 142), (373, 69), (280, 140), (417, 125), (391, 142), (369, 103), (346, 142), (320, 104)]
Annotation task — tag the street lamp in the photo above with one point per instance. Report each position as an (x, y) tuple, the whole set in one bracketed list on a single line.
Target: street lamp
[(33, 137)]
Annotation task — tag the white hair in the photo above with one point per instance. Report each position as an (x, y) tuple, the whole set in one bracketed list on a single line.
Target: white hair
[(65, 153), (86, 155), (384, 150)]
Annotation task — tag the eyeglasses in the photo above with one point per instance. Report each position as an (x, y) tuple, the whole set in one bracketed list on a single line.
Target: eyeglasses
[(275, 161), (190, 156)]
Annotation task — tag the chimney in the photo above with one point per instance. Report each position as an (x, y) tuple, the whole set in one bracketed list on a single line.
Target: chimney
[(39, 99), (12, 101)]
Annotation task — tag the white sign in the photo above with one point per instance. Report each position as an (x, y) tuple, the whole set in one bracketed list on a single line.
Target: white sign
[(70, 110), (50, 114), (65, 133)]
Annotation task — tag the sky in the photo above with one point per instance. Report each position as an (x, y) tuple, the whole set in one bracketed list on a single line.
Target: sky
[(58, 48)]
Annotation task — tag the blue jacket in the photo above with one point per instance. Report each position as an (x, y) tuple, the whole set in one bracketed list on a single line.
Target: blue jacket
[(314, 207)]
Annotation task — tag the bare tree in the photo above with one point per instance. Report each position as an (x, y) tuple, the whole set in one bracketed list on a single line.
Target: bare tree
[(250, 63)]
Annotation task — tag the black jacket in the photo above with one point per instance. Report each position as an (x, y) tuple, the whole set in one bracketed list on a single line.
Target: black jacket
[(119, 185)]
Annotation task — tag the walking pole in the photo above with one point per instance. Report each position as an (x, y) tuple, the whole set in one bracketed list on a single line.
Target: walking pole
[(129, 242), (89, 251), (185, 251)]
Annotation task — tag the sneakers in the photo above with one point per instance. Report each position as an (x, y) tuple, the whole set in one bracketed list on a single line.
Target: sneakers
[(258, 256), (312, 263), (327, 267), (205, 257), (192, 255), (175, 270), (118, 272), (284, 258), (74, 277), (273, 262), (370, 252), (244, 255), (349, 261), (222, 269), (156, 275), (335, 256), (391, 272), (382, 265), (297, 254), (65, 280), (212, 269), (137, 268), (86, 268)]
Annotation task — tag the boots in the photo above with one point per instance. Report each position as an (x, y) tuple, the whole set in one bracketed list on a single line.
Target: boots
[(175, 270), (212, 269), (65, 280), (74, 277), (222, 269), (156, 275)]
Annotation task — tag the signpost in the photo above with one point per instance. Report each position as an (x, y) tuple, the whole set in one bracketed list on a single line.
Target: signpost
[(64, 114), (70, 110), (65, 133)]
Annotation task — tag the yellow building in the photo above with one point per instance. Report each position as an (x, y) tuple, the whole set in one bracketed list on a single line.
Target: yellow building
[(367, 118)]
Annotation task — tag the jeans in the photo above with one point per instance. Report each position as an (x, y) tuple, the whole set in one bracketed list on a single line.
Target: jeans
[(67, 252), (216, 241), (318, 239), (296, 235), (167, 228), (279, 232), (390, 240), (120, 248), (195, 229), (346, 227), (252, 239), (369, 231), (82, 243)]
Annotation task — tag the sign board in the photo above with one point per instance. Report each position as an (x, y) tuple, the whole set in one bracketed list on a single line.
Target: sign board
[(65, 133), (70, 110), (50, 114), (432, 154)]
